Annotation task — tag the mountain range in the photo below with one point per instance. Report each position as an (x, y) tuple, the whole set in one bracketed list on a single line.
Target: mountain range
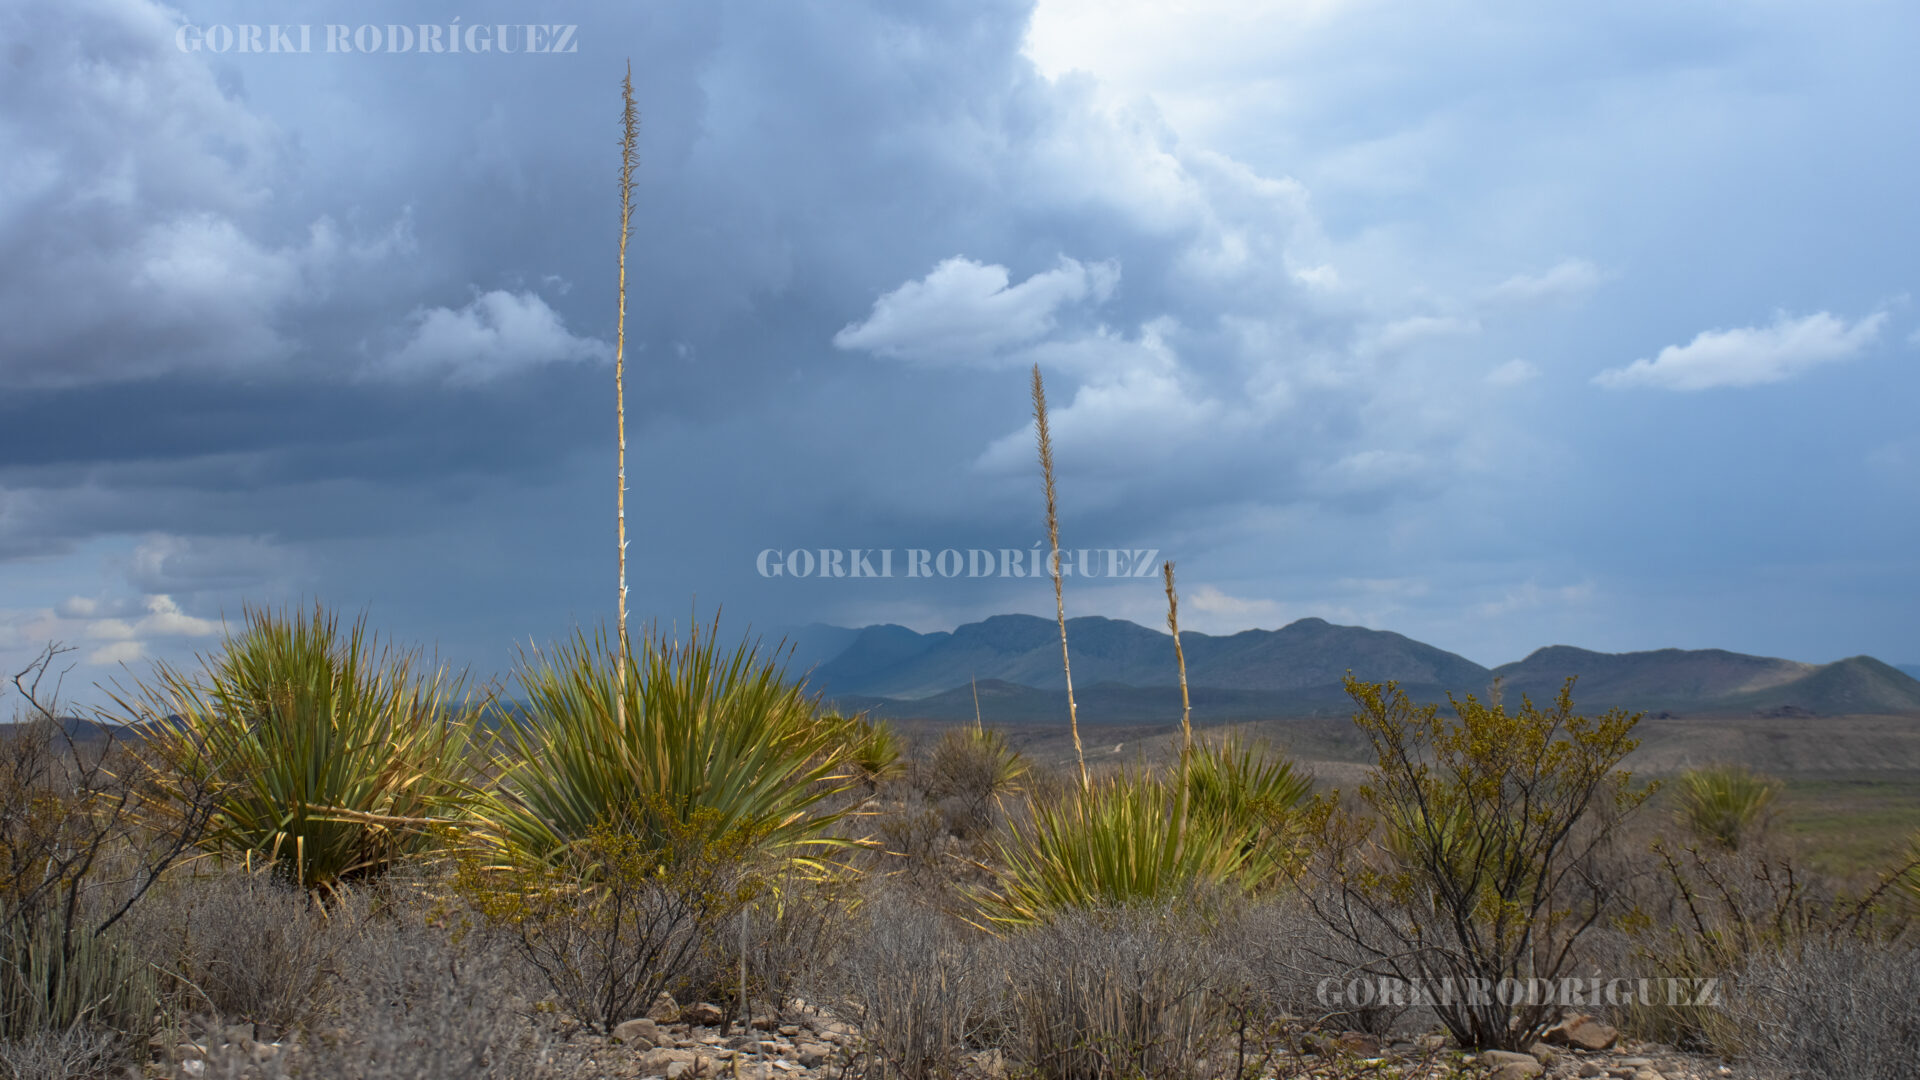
[(1124, 672)]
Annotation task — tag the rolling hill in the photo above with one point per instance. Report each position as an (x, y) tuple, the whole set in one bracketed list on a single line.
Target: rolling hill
[(1125, 673)]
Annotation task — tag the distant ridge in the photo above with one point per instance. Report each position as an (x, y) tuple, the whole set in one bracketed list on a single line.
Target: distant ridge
[(892, 661), (1297, 670)]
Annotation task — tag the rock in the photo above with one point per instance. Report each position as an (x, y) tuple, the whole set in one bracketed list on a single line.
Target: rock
[(692, 1067), (765, 1023), (1647, 1074), (1542, 1053), (1588, 1068), (1354, 1042), (193, 1067), (664, 1009), (1519, 1070), (641, 1034), (654, 1062), (1634, 1063), (1582, 1032), (789, 1030), (704, 1013), (812, 1055), (1431, 1044), (1499, 1058)]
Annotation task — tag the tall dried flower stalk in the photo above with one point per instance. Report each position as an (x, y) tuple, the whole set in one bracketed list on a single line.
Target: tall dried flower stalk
[(1180, 657), (1053, 543), (629, 157)]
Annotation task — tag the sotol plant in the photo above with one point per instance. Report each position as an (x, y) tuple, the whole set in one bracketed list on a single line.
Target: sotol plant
[(1725, 804), (325, 752), (669, 734), (1123, 840)]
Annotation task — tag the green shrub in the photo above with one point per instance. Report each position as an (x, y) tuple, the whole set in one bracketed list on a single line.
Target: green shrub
[(1725, 803), (1124, 840), (1493, 826), (326, 755), (1247, 788), (691, 733)]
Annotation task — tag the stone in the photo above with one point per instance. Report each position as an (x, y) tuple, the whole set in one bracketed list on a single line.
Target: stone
[(642, 1033), (789, 1030), (664, 1009), (654, 1062), (1582, 1032), (1519, 1070), (193, 1067), (812, 1055), (1542, 1053), (705, 1013), (765, 1023), (1634, 1063), (1506, 1057), (1354, 1042), (1588, 1068), (1431, 1044)]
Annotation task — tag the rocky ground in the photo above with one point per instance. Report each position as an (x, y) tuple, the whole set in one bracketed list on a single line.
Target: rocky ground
[(695, 1043)]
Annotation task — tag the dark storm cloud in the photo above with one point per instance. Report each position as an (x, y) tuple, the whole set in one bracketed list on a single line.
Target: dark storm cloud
[(342, 323)]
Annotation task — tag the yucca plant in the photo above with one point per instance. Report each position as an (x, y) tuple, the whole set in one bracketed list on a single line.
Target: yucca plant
[(721, 737), (968, 774), (1249, 789), (327, 754), (874, 750), (1123, 840), (1725, 803)]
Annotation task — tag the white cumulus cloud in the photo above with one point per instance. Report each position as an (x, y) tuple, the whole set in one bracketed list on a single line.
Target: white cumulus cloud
[(968, 311), (1748, 356), (499, 332)]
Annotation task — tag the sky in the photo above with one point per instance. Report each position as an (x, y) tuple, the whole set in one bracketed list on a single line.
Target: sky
[(1499, 325)]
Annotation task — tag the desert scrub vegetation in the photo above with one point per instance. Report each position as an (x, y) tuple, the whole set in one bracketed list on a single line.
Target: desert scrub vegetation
[(325, 754), (625, 913), (1725, 804), (710, 833), (1476, 859), (673, 734), (1124, 839)]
